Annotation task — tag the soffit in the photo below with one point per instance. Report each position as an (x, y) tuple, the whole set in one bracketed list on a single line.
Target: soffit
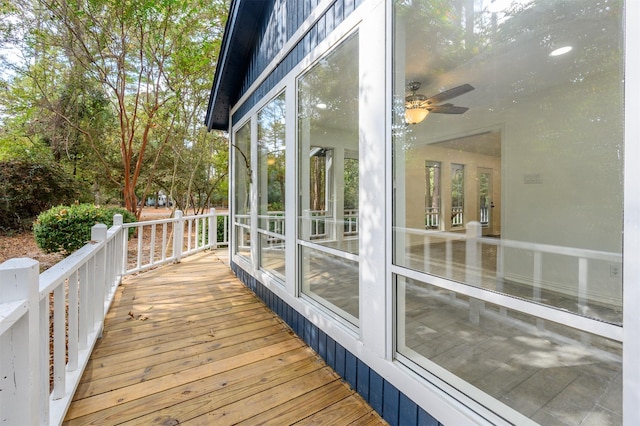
[(240, 35)]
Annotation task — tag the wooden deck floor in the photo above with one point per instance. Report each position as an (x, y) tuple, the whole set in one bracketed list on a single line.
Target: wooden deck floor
[(189, 344)]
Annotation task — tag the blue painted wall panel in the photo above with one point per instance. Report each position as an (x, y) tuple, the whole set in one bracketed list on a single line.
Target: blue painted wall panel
[(426, 419), (340, 356), (391, 404), (331, 353), (314, 338), (351, 369), (376, 391), (362, 385), (408, 411), (395, 407), (297, 12), (322, 344)]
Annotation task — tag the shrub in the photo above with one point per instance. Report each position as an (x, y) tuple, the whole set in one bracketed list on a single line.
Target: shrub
[(67, 228), (28, 188)]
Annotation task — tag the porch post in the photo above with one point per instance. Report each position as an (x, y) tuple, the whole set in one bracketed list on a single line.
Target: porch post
[(178, 236), (213, 229), (22, 378)]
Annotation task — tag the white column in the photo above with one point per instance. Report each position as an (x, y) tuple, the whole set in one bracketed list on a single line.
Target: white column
[(373, 165)]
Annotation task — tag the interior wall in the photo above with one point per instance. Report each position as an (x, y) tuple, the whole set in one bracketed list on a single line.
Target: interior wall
[(564, 187)]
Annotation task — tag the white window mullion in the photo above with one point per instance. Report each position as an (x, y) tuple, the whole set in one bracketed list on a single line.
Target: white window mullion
[(373, 177), (631, 253), (253, 195), (291, 197)]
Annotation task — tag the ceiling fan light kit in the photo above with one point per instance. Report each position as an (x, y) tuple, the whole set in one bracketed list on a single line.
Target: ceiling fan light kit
[(418, 106)]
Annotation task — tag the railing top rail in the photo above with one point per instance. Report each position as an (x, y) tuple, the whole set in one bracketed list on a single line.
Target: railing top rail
[(62, 270), (536, 247), (171, 219)]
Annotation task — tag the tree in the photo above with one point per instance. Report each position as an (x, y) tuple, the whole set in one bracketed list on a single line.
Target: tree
[(148, 63)]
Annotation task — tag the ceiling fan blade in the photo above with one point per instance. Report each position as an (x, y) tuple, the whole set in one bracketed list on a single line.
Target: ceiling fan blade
[(450, 94), (447, 109)]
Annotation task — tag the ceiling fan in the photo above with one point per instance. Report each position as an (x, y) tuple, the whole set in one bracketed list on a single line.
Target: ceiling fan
[(418, 106)]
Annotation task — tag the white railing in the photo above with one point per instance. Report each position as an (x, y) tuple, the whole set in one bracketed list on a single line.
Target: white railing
[(470, 264), (42, 358), (318, 224), (457, 216), (351, 226), (484, 215), (167, 240), (432, 218)]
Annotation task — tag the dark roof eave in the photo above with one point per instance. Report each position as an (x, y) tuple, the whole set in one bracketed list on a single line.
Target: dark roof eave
[(240, 34)]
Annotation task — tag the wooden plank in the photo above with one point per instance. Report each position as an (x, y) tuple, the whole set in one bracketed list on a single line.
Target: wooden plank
[(253, 405), (141, 374), (159, 335), (299, 408), (370, 419), (208, 353), (109, 399), (343, 412), (121, 317), (219, 388), (119, 363), (190, 317), (177, 302), (218, 333)]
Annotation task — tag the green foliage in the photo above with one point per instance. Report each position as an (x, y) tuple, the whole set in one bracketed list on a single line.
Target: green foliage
[(220, 230), (115, 110), (68, 228), (29, 188)]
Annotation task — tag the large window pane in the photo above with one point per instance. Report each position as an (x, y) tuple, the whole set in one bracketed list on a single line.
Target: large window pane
[(328, 177), (271, 182), (332, 281), (520, 103), (549, 372), (242, 182)]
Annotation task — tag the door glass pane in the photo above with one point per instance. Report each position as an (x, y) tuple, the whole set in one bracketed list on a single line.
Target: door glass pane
[(484, 190), (328, 165), (242, 188), (271, 186), (550, 129), (550, 372), (328, 150), (521, 102), (457, 195), (432, 196)]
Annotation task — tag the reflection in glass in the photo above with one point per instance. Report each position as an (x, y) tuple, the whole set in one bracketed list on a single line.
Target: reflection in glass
[(457, 195), (328, 149), (271, 183), (432, 196), (536, 210), (484, 180), (242, 188), (332, 281), (551, 373), (329, 180)]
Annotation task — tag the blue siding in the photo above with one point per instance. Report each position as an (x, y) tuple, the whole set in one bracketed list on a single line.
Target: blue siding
[(395, 407), (322, 344), (331, 353), (341, 354), (391, 404), (362, 385), (351, 370), (426, 419), (408, 411), (376, 391), (296, 12)]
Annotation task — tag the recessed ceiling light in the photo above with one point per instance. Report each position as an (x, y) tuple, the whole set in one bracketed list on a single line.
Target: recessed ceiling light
[(321, 106), (561, 51)]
